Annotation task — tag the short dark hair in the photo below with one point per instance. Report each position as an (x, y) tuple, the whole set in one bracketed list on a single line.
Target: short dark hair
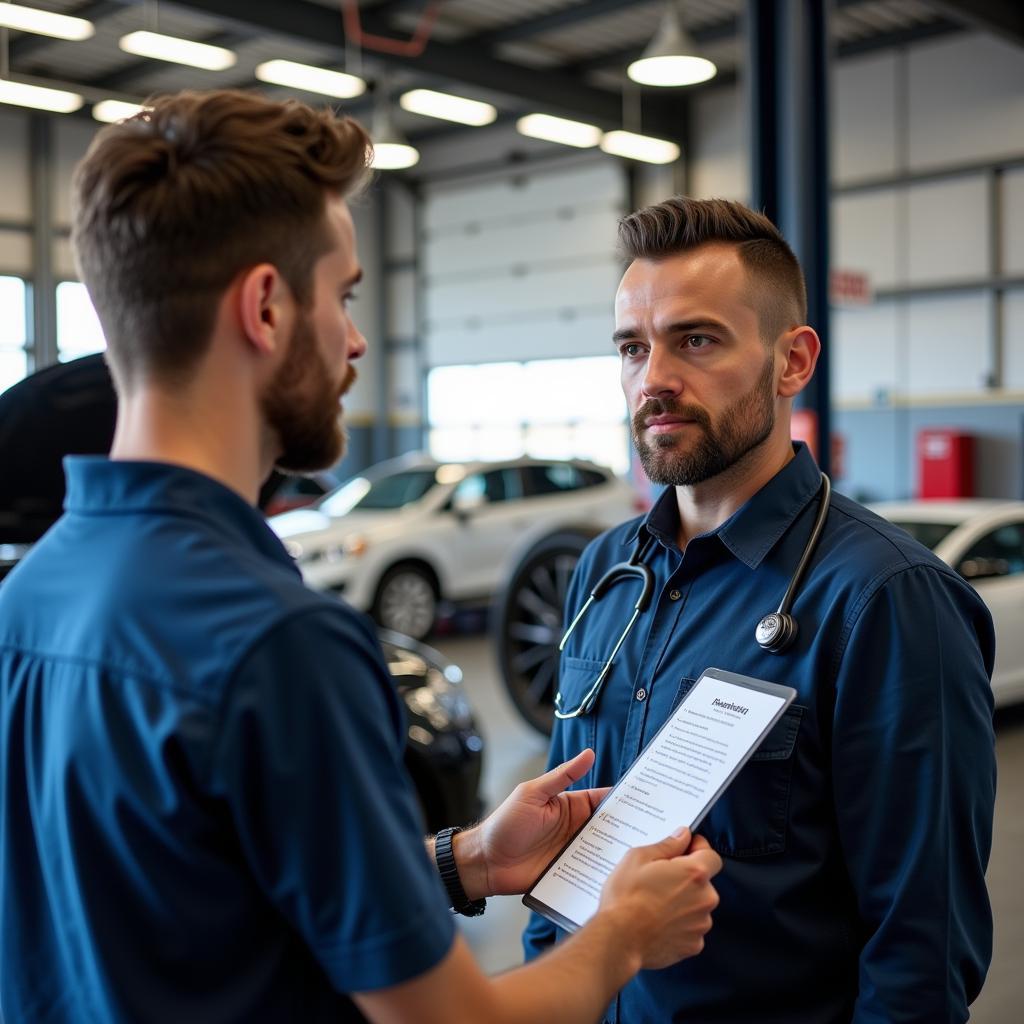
[(173, 203), (680, 224)]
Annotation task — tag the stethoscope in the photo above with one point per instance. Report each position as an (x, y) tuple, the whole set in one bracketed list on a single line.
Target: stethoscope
[(775, 632)]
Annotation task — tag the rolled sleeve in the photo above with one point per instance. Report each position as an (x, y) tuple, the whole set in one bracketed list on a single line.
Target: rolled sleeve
[(914, 786), (309, 761)]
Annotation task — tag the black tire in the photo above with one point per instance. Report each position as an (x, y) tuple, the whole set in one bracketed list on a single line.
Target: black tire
[(528, 625), (406, 600)]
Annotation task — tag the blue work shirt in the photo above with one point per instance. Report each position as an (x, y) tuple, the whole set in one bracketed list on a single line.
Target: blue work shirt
[(204, 816), (856, 839)]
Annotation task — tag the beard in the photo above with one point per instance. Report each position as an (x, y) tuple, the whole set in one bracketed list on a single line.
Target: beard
[(741, 428), (301, 405)]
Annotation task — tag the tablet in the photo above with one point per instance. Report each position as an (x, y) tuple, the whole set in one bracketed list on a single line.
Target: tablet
[(675, 781)]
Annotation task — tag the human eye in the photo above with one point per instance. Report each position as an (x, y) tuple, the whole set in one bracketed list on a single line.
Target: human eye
[(630, 349), (348, 298), (696, 342)]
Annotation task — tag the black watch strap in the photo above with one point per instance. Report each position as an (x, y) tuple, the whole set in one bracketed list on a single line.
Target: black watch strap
[(445, 858)]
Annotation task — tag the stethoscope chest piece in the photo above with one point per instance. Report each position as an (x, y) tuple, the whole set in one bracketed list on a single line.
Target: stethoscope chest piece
[(775, 632)]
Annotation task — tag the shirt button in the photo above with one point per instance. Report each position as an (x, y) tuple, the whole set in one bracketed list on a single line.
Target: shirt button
[(674, 595), (641, 694)]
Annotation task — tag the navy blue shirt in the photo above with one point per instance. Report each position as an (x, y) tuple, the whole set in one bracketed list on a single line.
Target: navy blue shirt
[(204, 815), (856, 839)]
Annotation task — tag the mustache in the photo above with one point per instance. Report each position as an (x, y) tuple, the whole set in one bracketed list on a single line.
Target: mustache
[(669, 407)]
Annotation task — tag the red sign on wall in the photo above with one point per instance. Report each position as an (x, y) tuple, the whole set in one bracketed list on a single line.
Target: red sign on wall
[(849, 288)]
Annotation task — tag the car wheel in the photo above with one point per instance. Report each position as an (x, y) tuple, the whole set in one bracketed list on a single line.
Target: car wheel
[(528, 626), (406, 601)]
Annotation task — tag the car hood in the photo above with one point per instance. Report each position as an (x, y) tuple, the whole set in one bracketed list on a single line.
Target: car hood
[(305, 522)]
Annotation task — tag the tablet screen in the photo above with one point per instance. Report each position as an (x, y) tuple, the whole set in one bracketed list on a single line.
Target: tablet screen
[(676, 779)]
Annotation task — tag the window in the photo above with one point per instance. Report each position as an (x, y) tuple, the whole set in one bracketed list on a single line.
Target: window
[(13, 331), (78, 328), (490, 487), (928, 534), (388, 492), (547, 409), (558, 478), (999, 553)]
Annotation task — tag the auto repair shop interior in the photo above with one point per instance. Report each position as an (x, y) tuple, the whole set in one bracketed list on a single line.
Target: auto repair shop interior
[(488, 436)]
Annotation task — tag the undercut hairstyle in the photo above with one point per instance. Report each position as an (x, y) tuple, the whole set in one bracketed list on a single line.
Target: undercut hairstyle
[(172, 204), (680, 224)]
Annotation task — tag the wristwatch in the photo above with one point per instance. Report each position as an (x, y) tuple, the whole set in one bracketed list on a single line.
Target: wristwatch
[(445, 859)]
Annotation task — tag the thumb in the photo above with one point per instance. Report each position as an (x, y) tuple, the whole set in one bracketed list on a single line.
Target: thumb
[(561, 778), (674, 845)]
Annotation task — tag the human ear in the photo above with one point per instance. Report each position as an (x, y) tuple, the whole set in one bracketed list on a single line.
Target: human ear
[(263, 307), (800, 351)]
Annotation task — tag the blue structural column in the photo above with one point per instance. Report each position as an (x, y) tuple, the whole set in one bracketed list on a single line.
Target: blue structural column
[(788, 97)]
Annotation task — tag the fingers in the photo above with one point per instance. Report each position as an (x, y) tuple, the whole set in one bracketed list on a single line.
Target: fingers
[(561, 778), (674, 845), (699, 843)]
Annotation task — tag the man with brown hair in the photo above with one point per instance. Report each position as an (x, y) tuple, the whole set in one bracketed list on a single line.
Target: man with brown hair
[(857, 837), (203, 811)]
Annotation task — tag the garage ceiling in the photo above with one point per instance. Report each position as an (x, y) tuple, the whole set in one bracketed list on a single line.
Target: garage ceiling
[(560, 56)]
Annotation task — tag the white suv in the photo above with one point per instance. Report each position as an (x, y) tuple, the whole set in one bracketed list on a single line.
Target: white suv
[(411, 532)]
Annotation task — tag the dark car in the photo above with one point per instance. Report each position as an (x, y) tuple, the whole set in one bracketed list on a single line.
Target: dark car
[(70, 409)]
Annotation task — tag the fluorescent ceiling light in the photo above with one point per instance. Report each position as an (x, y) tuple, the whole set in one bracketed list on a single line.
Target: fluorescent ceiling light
[(45, 23), (640, 147), (559, 129), (21, 94), (672, 58), (109, 111), (310, 79), (394, 156), (178, 51), (448, 107)]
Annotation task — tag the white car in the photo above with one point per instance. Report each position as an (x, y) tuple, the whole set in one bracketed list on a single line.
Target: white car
[(412, 532), (984, 541)]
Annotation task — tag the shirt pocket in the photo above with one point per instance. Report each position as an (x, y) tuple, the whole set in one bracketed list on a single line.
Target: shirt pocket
[(751, 818), (576, 676)]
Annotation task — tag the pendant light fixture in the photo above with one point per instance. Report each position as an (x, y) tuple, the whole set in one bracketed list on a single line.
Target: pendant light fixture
[(391, 149), (671, 58)]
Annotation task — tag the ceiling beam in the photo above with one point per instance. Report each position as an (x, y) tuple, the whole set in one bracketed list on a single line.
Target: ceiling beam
[(529, 28), (549, 90), (1000, 17), (899, 37)]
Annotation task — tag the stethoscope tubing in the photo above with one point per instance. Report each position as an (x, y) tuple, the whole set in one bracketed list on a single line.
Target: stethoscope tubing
[(636, 568)]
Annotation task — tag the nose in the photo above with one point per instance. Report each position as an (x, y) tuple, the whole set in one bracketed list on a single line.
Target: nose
[(662, 378), (356, 343)]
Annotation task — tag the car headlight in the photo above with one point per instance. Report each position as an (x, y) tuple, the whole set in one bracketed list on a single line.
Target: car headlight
[(353, 547)]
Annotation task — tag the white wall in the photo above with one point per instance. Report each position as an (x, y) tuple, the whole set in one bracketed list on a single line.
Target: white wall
[(522, 266)]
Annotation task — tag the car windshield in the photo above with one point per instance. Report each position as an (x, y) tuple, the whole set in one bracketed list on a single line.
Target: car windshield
[(387, 492), (928, 534)]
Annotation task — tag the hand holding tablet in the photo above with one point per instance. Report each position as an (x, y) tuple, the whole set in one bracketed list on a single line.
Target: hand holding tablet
[(676, 779)]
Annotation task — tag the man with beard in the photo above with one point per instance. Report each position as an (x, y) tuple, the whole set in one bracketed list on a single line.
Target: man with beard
[(856, 839), (203, 811)]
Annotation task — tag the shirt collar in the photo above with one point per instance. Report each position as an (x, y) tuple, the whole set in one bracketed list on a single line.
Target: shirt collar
[(97, 485), (754, 528)]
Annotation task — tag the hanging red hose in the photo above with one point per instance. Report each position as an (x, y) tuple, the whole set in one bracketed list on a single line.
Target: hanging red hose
[(383, 44)]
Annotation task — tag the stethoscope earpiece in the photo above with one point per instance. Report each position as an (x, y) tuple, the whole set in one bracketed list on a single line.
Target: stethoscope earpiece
[(776, 632)]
